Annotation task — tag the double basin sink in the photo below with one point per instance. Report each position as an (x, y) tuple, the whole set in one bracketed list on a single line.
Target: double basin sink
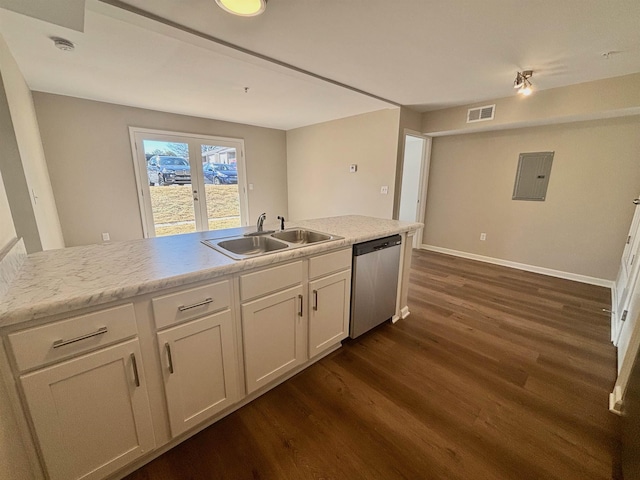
[(243, 247)]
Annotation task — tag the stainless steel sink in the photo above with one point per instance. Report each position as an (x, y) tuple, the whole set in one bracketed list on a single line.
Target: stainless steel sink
[(241, 247), (244, 247), (300, 236)]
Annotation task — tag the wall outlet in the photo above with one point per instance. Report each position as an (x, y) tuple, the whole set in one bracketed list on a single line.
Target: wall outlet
[(353, 168), (106, 237), (384, 190), (251, 186), (483, 236)]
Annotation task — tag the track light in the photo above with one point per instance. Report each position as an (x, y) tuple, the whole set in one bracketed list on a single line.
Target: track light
[(522, 82)]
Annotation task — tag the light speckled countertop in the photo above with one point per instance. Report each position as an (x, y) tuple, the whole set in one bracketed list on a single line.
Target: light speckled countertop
[(59, 281)]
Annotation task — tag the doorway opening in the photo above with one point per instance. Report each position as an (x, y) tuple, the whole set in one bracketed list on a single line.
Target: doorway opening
[(188, 183), (413, 189)]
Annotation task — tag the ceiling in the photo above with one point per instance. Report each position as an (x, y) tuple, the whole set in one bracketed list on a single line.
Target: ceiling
[(426, 54)]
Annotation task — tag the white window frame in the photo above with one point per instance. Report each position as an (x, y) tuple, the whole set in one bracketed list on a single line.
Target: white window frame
[(137, 134)]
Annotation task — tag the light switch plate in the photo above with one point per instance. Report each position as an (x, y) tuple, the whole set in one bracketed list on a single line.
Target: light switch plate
[(106, 237), (353, 168)]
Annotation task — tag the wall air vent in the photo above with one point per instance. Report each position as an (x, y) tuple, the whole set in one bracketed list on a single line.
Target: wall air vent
[(480, 114)]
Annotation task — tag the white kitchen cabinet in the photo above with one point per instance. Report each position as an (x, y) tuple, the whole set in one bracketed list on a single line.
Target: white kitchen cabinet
[(329, 311), (273, 328), (87, 415), (91, 414), (199, 366)]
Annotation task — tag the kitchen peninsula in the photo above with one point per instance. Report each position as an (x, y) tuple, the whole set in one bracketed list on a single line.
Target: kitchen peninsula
[(114, 353)]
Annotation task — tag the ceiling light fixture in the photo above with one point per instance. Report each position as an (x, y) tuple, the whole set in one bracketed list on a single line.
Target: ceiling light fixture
[(243, 8), (522, 82)]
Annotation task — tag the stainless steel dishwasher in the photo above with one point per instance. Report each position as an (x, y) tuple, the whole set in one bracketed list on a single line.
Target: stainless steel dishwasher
[(375, 283)]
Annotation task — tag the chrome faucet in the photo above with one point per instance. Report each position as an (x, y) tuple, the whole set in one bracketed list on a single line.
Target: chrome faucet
[(260, 224), (260, 227)]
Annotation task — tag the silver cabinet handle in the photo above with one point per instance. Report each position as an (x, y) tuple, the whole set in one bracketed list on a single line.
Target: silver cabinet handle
[(301, 299), (315, 299), (168, 348), (636, 201), (134, 364), (206, 301), (61, 343)]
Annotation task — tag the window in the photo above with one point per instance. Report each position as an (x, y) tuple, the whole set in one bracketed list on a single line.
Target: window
[(188, 183)]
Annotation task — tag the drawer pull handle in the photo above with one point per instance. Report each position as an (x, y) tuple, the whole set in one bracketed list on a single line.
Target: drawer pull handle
[(206, 301), (134, 364), (62, 343), (315, 299), (301, 298), (168, 348)]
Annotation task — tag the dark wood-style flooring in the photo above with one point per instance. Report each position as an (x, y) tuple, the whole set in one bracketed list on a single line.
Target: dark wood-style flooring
[(496, 374)]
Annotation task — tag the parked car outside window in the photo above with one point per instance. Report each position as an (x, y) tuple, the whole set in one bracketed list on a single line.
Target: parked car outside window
[(220, 173), (167, 170)]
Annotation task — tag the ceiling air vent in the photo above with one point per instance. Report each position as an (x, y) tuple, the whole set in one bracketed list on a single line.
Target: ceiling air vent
[(480, 114)]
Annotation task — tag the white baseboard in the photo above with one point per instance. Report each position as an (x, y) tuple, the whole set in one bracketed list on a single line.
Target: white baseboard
[(601, 282), (614, 302), (615, 401), (404, 312)]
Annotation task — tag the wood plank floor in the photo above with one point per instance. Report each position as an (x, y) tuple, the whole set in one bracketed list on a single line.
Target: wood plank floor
[(496, 374)]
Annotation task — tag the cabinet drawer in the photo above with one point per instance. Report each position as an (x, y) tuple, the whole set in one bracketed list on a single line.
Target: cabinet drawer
[(56, 341), (329, 263), (192, 303), (270, 280)]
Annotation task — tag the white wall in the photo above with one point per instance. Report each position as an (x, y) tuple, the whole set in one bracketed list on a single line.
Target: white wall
[(608, 98), (27, 136), (66, 13), (582, 225), (92, 170), (7, 229), (13, 459), (318, 159), (14, 181)]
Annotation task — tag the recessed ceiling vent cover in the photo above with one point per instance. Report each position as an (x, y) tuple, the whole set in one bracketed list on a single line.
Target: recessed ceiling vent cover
[(480, 114)]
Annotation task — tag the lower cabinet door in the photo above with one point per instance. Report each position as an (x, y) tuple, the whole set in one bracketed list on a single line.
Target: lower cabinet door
[(91, 414), (329, 311), (199, 369), (274, 336)]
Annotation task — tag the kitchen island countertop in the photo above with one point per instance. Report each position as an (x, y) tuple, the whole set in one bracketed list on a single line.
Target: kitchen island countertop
[(59, 281)]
